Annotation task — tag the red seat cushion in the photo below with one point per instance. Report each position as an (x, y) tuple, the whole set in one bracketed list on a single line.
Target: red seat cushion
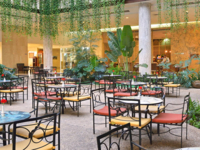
[(105, 82), (169, 118), (115, 90), (36, 72), (99, 80), (104, 111), (43, 93), (48, 97), (47, 82), (125, 94), (121, 81), (25, 87), (151, 92)]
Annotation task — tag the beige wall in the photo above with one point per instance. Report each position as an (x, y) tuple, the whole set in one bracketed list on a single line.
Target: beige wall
[(14, 50), (184, 43)]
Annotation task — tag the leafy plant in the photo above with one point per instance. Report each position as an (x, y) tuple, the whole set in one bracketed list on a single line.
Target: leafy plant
[(86, 60), (121, 45), (194, 113), (113, 69), (185, 77), (8, 72)]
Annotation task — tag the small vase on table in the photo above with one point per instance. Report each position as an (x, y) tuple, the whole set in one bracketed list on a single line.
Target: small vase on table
[(3, 101)]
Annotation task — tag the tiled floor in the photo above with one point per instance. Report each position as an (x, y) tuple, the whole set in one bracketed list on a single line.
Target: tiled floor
[(77, 133)]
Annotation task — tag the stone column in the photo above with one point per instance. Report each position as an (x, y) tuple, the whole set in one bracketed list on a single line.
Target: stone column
[(145, 36), (47, 51)]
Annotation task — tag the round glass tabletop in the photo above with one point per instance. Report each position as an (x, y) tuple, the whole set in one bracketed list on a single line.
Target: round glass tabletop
[(144, 100), (12, 116)]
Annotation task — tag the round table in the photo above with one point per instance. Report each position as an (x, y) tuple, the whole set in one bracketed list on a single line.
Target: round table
[(10, 117), (6, 81), (111, 75), (159, 78), (55, 77), (53, 73), (59, 87), (135, 83), (144, 100)]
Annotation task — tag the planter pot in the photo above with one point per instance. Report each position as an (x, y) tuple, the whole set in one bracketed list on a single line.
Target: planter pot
[(196, 84)]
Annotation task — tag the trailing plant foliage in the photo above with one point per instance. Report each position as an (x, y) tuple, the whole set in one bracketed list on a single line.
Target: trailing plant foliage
[(176, 11), (194, 113), (51, 17), (86, 61)]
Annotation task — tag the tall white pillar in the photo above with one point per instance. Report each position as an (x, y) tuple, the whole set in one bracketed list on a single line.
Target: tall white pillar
[(47, 51), (145, 36)]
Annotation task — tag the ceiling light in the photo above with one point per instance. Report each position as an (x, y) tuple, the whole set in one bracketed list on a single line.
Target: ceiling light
[(187, 11), (127, 17)]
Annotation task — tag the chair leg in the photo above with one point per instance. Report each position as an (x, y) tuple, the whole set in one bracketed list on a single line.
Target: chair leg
[(105, 121), (27, 94), (58, 140), (151, 133), (186, 129), (93, 124), (23, 97), (77, 106), (90, 105), (158, 129), (181, 134), (140, 139)]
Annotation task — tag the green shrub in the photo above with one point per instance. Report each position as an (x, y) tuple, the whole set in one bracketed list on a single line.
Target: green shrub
[(194, 113)]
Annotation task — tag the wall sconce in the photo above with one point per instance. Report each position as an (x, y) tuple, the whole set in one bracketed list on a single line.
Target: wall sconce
[(169, 51), (166, 51)]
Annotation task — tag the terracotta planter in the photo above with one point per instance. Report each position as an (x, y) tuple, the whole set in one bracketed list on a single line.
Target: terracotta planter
[(196, 84)]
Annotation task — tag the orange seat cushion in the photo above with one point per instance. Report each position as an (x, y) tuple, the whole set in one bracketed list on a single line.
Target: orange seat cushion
[(125, 94), (169, 118), (104, 111), (115, 90)]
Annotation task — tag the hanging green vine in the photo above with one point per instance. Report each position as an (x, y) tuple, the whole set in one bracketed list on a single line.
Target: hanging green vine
[(52, 17), (176, 12)]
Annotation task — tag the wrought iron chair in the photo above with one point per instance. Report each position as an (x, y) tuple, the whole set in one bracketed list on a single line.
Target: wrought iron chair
[(126, 90), (12, 89), (41, 93), (84, 93), (100, 107), (120, 132), (138, 123), (175, 86), (45, 125), (172, 118)]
